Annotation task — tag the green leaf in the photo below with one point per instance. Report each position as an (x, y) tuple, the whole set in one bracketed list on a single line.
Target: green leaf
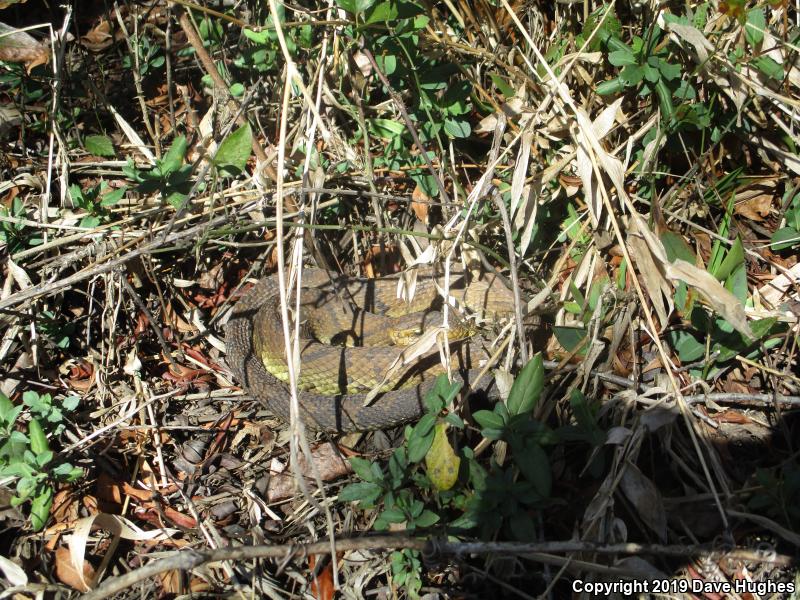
[(421, 439), (668, 71), (38, 437), (386, 128), (99, 145), (686, 345), (489, 419), (502, 85), (386, 63), (380, 13), (783, 238), (632, 74), (441, 394), (393, 515), (527, 387), (40, 508), (457, 129), (173, 159), (612, 86), (364, 492), (534, 464), (651, 74), (620, 58), (677, 248), (756, 23), (112, 198), (355, 6), (362, 467), (426, 519), (769, 67), (733, 259), (233, 152)]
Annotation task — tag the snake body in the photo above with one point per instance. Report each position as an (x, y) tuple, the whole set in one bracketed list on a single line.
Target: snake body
[(335, 380)]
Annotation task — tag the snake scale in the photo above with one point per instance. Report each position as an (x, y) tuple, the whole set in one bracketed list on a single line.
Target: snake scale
[(334, 379)]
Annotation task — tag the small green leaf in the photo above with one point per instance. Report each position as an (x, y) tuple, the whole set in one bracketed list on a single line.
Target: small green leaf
[(784, 238), (231, 157), (37, 436), (457, 129), (769, 67), (535, 466), (733, 259), (419, 443), (620, 58), (756, 23), (502, 85), (676, 247), (112, 198), (669, 71), (489, 419), (40, 508), (632, 74), (527, 387), (686, 345), (393, 515), (362, 467), (364, 492), (99, 145), (173, 159), (426, 519), (355, 6), (612, 86)]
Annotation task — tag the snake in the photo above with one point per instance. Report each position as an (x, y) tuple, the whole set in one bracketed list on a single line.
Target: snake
[(335, 380)]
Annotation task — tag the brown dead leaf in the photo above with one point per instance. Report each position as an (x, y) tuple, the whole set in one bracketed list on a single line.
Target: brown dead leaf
[(420, 204), (66, 573), (322, 584), (99, 37), (176, 321), (328, 461), (755, 203), (19, 47)]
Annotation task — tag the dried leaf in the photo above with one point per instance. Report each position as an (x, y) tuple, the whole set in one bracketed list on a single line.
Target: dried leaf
[(67, 574), (644, 496)]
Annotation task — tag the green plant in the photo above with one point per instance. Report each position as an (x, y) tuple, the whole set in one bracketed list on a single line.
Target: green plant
[(169, 176), (454, 491), (779, 494), (29, 459), (16, 235), (788, 236), (43, 408), (95, 200), (149, 54)]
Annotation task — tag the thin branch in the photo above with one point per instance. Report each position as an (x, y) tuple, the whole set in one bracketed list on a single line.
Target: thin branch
[(186, 560)]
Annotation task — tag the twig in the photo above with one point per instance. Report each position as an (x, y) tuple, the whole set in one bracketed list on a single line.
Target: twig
[(512, 260), (185, 560)]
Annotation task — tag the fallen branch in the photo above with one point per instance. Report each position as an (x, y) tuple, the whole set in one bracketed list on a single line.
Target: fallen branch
[(185, 560)]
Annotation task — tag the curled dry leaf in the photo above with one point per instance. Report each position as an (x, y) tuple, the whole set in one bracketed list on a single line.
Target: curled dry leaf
[(67, 574), (420, 204), (19, 47)]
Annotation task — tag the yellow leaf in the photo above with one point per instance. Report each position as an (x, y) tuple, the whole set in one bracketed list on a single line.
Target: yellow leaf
[(441, 460)]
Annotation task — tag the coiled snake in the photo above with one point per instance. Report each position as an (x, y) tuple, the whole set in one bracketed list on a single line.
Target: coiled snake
[(335, 380)]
